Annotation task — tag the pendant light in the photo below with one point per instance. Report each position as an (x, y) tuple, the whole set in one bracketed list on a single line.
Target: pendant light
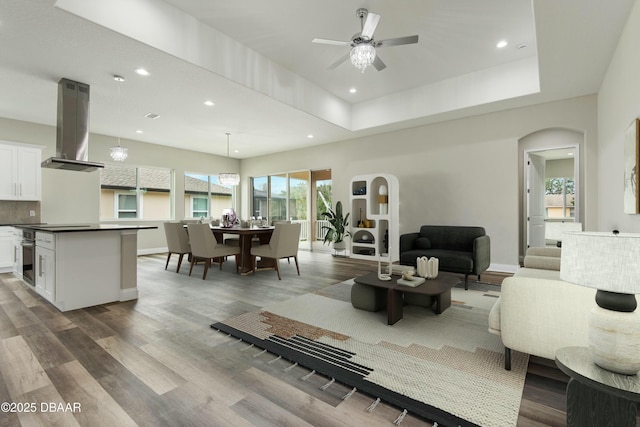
[(119, 153), (228, 178)]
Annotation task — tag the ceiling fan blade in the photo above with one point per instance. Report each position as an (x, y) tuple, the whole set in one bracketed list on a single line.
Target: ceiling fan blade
[(397, 41), (339, 61), (378, 64), (370, 25), (332, 42)]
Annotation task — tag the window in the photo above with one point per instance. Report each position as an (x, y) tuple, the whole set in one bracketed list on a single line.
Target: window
[(560, 198), (205, 197), (130, 192)]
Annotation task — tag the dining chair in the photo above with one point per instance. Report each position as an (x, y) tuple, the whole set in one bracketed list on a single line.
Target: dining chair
[(177, 242), (283, 244), (204, 247)]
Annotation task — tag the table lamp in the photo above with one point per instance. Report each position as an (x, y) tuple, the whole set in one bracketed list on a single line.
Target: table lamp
[(609, 263)]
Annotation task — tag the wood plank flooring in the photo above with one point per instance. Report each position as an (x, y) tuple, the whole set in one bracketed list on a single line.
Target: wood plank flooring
[(156, 361)]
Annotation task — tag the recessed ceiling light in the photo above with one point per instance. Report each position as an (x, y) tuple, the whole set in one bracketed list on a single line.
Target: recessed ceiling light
[(141, 71), (118, 78), (570, 154), (236, 151), (139, 131), (521, 46), (501, 44), (152, 115), (209, 103), (309, 136), (353, 90)]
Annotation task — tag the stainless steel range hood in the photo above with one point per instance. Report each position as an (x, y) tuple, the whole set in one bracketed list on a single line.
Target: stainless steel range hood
[(72, 141)]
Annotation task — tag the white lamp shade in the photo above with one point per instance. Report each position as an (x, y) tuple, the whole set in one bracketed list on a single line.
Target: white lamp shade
[(604, 261)]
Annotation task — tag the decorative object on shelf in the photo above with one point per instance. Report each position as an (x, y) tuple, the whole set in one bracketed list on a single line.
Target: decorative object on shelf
[(631, 165), (383, 200), (360, 191), (609, 263), (384, 276), (386, 240), (337, 231), (119, 153), (360, 222), (427, 267), (228, 178)]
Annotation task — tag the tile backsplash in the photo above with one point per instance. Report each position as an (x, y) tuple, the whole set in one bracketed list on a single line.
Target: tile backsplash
[(18, 212)]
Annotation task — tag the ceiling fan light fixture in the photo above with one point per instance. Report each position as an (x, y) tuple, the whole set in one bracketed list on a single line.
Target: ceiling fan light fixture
[(362, 55)]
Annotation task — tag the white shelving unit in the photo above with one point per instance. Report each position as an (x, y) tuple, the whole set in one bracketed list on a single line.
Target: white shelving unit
[(377, 237)]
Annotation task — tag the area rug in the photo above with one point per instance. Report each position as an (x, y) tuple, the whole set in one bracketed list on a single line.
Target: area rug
[(445, 368)]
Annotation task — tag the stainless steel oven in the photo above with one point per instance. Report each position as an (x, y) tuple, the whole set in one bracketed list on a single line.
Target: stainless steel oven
[(28, 256)]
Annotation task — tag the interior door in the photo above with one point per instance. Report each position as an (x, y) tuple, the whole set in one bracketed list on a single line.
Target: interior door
[(535, 200)]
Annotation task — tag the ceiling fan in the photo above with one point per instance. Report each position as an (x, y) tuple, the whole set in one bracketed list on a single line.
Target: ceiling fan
[(363, 45)]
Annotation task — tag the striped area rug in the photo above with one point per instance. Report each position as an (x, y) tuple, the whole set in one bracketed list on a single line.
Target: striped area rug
[(445, 368)]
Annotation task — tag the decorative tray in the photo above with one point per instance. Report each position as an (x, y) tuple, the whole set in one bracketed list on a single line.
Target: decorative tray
[(417, 281)]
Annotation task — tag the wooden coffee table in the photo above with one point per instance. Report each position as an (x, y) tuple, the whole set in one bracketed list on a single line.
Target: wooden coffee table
[(438, 288)]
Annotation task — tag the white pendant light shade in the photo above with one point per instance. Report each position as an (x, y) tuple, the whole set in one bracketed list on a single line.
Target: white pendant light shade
[(228, 178), (119, 153), (362, 55)]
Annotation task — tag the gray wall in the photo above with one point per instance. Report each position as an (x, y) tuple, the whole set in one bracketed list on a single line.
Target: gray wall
[(618, 105), (460, 172)]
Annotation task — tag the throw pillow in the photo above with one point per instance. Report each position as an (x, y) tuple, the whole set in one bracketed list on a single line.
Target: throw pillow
[(423, 243)]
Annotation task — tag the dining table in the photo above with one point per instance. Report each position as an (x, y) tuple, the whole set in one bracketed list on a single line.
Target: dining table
[(245, 235)]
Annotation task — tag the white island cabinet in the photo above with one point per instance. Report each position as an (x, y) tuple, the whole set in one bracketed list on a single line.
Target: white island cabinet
[(6, 249), (83, 266)]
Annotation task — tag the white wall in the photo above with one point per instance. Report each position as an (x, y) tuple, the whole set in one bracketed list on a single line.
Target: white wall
[(460, 172), (618, 105)]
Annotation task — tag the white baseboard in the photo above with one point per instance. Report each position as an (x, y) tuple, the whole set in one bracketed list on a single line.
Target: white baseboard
[(128, 294), (151, 251), (503, 268)]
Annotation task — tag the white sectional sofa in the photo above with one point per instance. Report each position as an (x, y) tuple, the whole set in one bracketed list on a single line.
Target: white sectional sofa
[(537, 313)]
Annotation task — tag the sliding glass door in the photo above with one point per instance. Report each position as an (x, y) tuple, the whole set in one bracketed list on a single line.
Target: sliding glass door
[(293, 197)]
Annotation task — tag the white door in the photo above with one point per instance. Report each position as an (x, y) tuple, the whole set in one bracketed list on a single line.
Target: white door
[(535, 200)]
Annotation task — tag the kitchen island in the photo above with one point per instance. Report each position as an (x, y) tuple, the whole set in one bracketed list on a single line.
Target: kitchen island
[(82, 265)]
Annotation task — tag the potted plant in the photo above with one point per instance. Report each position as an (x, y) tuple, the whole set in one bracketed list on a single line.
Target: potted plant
[(338, 229)]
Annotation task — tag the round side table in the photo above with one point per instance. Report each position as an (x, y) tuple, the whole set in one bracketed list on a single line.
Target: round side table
[(595, 396)]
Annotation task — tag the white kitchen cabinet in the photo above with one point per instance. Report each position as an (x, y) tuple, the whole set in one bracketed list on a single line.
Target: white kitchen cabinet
[(17, 252), (20, 175), (6, 249), (45, 268)]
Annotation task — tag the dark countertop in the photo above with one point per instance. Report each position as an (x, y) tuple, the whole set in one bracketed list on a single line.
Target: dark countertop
[(68, 228)]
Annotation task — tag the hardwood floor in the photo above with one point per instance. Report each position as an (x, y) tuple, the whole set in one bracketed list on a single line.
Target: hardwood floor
[(156, 361)]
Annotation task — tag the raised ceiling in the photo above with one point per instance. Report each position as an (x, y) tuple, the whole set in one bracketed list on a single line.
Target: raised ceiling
[(271, 85)]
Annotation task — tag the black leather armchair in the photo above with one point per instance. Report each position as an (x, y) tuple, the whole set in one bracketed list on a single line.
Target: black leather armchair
[(459, 249)]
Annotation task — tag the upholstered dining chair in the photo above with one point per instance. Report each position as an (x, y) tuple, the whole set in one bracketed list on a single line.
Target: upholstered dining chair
[(204, 247), (177, 242), (283, 244)]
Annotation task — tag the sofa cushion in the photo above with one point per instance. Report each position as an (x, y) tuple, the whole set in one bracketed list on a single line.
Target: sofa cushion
[(423, 243), (542, 262), (537, 273)]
